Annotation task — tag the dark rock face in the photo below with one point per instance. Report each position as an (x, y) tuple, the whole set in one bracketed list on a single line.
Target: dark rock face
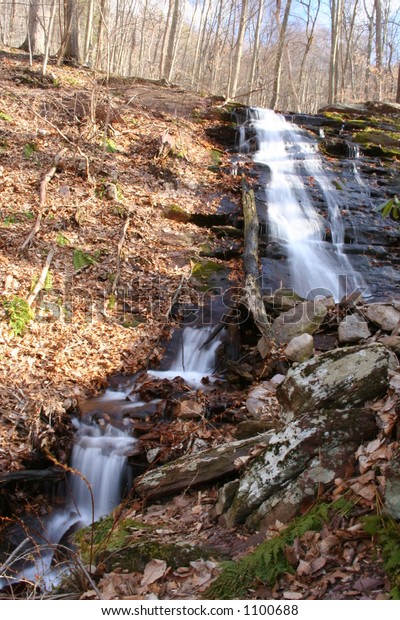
[(364, 167)]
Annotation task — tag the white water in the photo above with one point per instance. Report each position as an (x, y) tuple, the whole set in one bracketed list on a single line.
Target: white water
[(193, 361), (99, 458), (316, 266)]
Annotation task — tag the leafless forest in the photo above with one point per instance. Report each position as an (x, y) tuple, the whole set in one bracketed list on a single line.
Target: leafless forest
[(288, 54)]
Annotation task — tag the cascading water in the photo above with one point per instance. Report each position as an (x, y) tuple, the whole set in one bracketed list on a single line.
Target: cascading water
[(316, 265), (99, 459)]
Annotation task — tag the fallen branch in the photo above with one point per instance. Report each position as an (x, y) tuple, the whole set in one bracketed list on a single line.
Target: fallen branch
[(42, 197), (42, 279), (253, 297), (119, 252)]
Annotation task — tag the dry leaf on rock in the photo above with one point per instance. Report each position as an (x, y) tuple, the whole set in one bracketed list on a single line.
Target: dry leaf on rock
[(154, 570)]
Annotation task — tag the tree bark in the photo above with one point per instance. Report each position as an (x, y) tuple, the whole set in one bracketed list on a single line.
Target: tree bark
[(398, 86), (31, 40), (256, 49), (72, 26), (239, 50), (172, 41), (253, 296), (194, 470), (281, 46)]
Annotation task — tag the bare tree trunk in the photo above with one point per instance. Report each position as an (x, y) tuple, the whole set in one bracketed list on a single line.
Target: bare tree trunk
[(398, 86), (310, 27), (281, 46), (199, 42), (336, 21), (172, 41), (72, 27), (48, 36), (165, 39), (88, 32), (256, 48), (31, 44), (369, 49), (378, 47), (239, 50)]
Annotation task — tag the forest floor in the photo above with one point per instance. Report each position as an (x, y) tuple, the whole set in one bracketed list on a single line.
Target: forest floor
[(152, 160), (137, 158)]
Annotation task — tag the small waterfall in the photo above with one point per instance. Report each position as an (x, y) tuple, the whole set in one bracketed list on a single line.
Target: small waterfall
[(99, 460), (194, 358), (316, 265)]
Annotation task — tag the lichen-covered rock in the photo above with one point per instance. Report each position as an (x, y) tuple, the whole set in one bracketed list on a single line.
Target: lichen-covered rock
[(297, 496), (391, 342), (290, 452), (305, 318), (353, 329), (384, 316), (336, 380), (300, 348)]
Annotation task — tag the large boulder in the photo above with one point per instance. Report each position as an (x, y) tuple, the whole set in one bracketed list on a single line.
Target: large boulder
[(336, 380), (308, 442), (305, 318)]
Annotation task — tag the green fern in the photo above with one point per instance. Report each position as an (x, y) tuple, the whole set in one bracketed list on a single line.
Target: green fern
[(269, 561), (81, 259), (387, 533), (62, 241), (19, 314)]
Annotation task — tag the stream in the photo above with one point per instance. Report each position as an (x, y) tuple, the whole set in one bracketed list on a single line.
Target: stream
[(100, 458), (291, 171)]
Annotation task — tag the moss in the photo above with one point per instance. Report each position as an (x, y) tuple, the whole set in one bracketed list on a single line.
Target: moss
[(208, 273), (136, 555), (268, 561), (177, 214), (106, 533)]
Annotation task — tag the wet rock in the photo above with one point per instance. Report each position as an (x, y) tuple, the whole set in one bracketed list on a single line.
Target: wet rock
[(384, 316), (336, 380), (353, 329), (305, 318), (300, 348), (392, 491)]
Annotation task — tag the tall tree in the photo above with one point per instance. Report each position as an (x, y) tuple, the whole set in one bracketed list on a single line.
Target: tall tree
[(281, 46), (31, 42), (238, 50), (172, 41), (336, 24)]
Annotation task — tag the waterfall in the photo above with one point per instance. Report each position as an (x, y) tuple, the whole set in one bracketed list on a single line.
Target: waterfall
[(99, 459), (317, 266)]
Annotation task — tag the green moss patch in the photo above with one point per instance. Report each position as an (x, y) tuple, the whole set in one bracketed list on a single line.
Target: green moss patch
[(268, 561)]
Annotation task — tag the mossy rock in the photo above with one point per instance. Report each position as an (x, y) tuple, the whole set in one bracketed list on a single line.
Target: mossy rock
[(378, 143), (105, 534), (177, 214), (135, 556), (208, 274)]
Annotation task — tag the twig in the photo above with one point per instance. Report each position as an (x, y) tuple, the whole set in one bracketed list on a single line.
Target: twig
[(12, 555), (42, 279), (119, 252), (42, 197), (176, 296), (88, 577)]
